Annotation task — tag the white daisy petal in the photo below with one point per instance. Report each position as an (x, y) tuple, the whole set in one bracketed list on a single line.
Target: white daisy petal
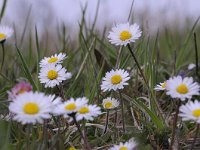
[(115, 80), (110, 103), (130, 145), (31, 108), (182, 88), (5, 32), (52, 75), (160, 86), (190, 111), (122, 34), (55, 59)]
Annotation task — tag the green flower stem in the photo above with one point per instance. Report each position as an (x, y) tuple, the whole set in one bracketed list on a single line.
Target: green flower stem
[(145, 80), (3, 55), (174, 124), (86, 144), (107, 120), (122, 109)]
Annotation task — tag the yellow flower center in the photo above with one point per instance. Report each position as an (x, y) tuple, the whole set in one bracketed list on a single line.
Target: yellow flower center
[(123, 148), (182, 89), (31, 108), (116, 79), (125, 35), (196, 113), (71, 106), (164, 85), (52, 60), (22, 91), (72, 148), (52, 74), (108, 105), (83, 110), (2, 36)]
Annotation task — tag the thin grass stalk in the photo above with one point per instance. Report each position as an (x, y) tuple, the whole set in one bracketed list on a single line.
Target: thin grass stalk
[(196, 55), (195, 137), (145, 80), (174, 124), (122, 111), (3, 55), (107, 120), (86, 144)]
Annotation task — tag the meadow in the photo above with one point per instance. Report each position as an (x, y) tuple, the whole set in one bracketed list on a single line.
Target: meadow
[(144, 118)]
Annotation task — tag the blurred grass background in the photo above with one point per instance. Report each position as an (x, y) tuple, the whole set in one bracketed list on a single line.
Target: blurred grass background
[(163, 52)]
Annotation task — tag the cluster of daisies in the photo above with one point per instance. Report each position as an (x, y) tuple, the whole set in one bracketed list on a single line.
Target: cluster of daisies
[(183, 88), (52, 73), (28, 107)]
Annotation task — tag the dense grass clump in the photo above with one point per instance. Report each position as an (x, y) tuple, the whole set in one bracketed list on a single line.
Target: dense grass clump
[(142, 116)]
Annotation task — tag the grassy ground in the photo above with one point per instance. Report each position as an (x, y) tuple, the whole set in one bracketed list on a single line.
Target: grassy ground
[(148, 114)]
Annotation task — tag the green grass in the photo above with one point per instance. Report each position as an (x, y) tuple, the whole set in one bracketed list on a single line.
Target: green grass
[(161, 56)]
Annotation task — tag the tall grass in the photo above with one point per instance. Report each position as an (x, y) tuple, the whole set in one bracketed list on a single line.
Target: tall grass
[(160, 56)]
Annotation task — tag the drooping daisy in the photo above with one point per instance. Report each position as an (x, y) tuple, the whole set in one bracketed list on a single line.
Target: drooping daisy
[(182, 88), (55, 59), (18, 89), (31, 108), (191, 66), (190, 111), (160, 86), (70, 106), (5, 33), (122, 34), (130, 145), (52, 75), (88, 112), (110, 103), (115, 79)]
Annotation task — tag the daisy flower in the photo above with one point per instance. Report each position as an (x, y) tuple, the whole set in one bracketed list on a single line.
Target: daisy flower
[(182, 88), (190, 111), (5, 33), (31, 108), (160, 86), (55, 59), (110, 103), (56, 101), (130, 145), (52, 75), (115, 79), (18, 89), (88, 112), (191, 66), (122, 34), (71, 106)]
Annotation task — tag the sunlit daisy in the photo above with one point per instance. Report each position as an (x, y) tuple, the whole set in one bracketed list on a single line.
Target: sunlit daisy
[(122, 34), (110, 103), (52, 75), (31, 108), (88, 112), (115, 79), (18, 89), (130, 145), (5, 33), (191, 66), (190, 111), (182, 88), (55, 59), (71, 105), (160, 86)]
